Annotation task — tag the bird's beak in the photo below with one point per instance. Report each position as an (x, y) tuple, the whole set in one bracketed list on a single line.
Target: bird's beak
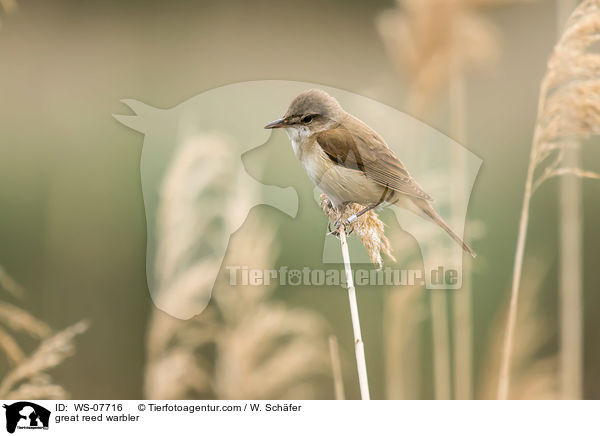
[(276, 124)]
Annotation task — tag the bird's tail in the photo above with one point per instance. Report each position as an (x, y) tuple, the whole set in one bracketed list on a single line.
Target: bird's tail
[(430, 212)]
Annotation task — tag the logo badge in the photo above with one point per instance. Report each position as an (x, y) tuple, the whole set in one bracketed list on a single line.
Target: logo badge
[(26, 415)]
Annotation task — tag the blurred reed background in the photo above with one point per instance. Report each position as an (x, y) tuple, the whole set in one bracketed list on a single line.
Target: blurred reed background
[(30, 349), (72, 230)]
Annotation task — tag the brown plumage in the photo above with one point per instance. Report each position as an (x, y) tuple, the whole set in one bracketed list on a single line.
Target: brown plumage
[(366, 151), (349, 161)]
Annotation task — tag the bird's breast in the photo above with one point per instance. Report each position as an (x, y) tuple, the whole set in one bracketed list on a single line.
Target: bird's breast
[(341, 184), (315, 162)]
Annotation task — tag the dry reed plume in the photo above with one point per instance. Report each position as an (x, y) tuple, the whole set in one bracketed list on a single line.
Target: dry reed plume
[(25, 373), (244, 345), (8, 284), (9, 6), (431, 40), (199, 200), (568, 115), (369, 228)]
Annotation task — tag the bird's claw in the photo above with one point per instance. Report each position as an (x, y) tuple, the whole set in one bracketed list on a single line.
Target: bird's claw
[(336, 227), (335, 232)]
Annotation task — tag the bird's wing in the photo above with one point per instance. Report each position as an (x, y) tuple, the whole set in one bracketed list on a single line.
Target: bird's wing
[(364, 150)]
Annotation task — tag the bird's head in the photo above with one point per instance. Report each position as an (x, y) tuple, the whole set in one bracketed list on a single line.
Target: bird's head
[(311, 112)]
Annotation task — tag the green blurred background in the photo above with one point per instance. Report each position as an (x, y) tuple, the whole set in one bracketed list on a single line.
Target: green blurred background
[(72, 225)]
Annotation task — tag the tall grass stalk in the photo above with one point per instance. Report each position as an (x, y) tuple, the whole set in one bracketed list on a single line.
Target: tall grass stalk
[(359, 347), (441, 345), (336, 368), (568, 114), (403, 318), (514, 296), (570, 284), (570, 260), (463, 329)]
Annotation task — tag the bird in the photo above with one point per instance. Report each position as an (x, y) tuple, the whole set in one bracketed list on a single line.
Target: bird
[(350, 162)]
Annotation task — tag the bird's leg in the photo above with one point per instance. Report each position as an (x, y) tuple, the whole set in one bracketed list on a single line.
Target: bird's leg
[(336, 228), (356, 216), (331, 232), (348, 221)]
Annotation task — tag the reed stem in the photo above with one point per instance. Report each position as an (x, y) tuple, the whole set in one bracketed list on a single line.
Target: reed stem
[(441, 345), (463, 329), (570, 282), (336, 368), (359, 347), (571, 330), (504, 379), (570, 261)]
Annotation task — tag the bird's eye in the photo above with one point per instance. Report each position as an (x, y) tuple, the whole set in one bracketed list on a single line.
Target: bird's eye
[(307, 119)]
